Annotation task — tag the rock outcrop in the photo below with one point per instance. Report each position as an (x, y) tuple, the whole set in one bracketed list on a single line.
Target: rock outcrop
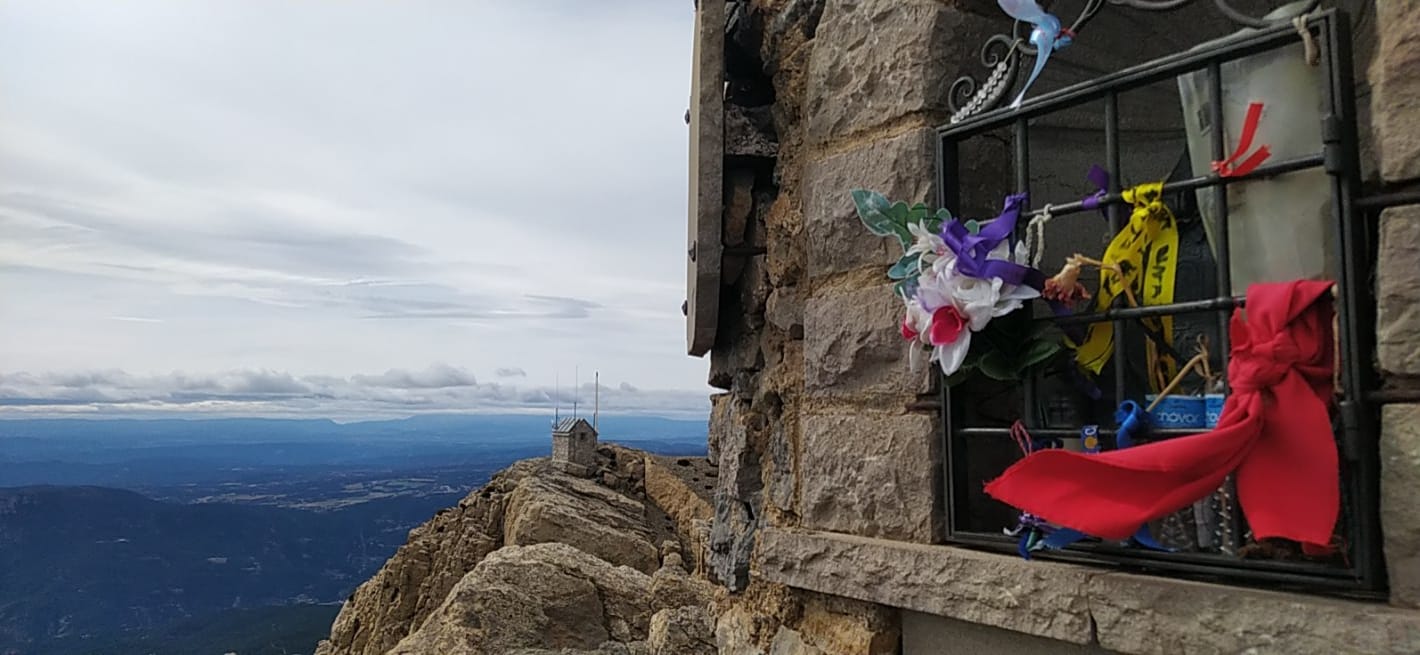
[(548, 596), (537, 562)]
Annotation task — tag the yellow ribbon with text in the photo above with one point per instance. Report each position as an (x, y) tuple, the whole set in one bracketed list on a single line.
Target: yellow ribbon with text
[(1145, 254)]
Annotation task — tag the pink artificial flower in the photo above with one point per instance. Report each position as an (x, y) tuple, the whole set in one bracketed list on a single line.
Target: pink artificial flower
[(908, 332), (947, 325)]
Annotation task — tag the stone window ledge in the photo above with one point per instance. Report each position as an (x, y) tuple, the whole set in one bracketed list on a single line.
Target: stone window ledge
[(1119, 611)]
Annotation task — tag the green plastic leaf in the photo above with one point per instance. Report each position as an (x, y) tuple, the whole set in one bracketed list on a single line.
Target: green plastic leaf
[(1036, 352), (972, 226), (997, 365), (1045, 330), (905, 288), (899, 211), (873, 210), (905, 267), (968, 366), (961, 375), (918, 213), (944, 215)]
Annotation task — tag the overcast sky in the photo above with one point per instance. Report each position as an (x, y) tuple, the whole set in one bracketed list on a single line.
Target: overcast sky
[(342, 207)]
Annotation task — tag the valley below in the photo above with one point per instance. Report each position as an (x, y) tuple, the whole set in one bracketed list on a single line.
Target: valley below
[(243, 536)]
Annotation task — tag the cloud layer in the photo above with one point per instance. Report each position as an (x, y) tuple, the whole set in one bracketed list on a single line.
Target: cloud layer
[(396, 392), (259, 185)]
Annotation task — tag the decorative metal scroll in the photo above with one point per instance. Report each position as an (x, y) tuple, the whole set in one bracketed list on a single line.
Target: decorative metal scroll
[(1002, 52)]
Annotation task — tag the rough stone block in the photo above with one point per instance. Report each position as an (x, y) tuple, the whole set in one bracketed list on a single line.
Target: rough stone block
[(1160, 616), (835, 625), (732, 633), (738, 473), (1121, 612), (719, 423), (790, 642), (852, 345), (784, 477), (1041, 598), (924, 633), (737, 498), (1395, 89), (1400, 506), (872, 475), (784, 308), (875, 61), (901, 167), (682, 631), (1398, 292), (739, 204)]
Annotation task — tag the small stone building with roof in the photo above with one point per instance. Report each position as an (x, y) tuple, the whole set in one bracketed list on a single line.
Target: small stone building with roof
[(574, 446)]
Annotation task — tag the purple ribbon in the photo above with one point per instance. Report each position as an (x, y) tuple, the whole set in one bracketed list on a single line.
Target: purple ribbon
[(1099, 177), (972, 249)]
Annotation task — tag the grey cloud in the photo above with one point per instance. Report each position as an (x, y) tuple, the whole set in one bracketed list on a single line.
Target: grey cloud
[(435, 377), (287, 248), (262, 392), (560, 307), (511, 372)]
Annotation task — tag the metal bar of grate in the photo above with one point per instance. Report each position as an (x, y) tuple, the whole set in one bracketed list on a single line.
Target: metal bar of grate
[(1116, 223), (1222, 254), (1120, 313), (1165, 68), (1193, 184), (1022, 163)]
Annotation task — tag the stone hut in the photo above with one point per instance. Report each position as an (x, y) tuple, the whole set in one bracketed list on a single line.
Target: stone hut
[(574, 446), (836, 488)]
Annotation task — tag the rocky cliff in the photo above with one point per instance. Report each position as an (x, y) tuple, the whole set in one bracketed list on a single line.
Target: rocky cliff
[(539, 561)]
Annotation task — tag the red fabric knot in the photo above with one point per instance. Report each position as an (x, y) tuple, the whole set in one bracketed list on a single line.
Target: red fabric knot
[(1261, 366), (1274, 434)]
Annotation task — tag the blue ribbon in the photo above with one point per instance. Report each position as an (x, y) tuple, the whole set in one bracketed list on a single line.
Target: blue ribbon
[(1133, 421)]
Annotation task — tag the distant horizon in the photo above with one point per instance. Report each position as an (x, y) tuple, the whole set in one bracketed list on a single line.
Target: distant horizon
[(177, 415), (439, 388)]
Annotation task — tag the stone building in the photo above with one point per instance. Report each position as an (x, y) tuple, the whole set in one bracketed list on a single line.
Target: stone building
[(837, 483), (574, 446)]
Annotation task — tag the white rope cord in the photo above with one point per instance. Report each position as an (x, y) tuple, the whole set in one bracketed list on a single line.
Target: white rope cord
[(1312, 54), (1037, 226)]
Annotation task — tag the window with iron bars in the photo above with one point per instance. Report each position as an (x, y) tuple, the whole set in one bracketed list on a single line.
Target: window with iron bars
[(1159, 121)]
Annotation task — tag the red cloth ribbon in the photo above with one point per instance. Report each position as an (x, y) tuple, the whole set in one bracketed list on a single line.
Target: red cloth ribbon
[(1229, 167), (1275, 433)]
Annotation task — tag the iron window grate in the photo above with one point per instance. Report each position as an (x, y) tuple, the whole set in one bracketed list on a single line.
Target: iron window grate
[(1362, 573)]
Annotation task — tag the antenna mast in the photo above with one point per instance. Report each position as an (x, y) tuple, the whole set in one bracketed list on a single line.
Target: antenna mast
[(576, 393), (597, 407), (556, 398)]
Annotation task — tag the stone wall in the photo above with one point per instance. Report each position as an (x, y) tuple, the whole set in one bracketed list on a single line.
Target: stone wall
[(820, 429), (1395, 109)]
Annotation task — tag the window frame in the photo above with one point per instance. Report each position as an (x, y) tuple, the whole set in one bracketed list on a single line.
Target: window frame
[(1339, 158)]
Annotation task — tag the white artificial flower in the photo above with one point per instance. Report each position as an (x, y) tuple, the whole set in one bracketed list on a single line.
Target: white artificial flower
[(930, 246), (951, 356), (975, 301)]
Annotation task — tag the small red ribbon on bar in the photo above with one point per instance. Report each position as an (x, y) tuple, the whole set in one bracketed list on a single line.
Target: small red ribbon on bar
[(1230, 167)]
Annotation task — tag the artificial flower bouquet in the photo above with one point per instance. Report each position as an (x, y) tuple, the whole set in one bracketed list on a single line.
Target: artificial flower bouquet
[(961, 283)]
